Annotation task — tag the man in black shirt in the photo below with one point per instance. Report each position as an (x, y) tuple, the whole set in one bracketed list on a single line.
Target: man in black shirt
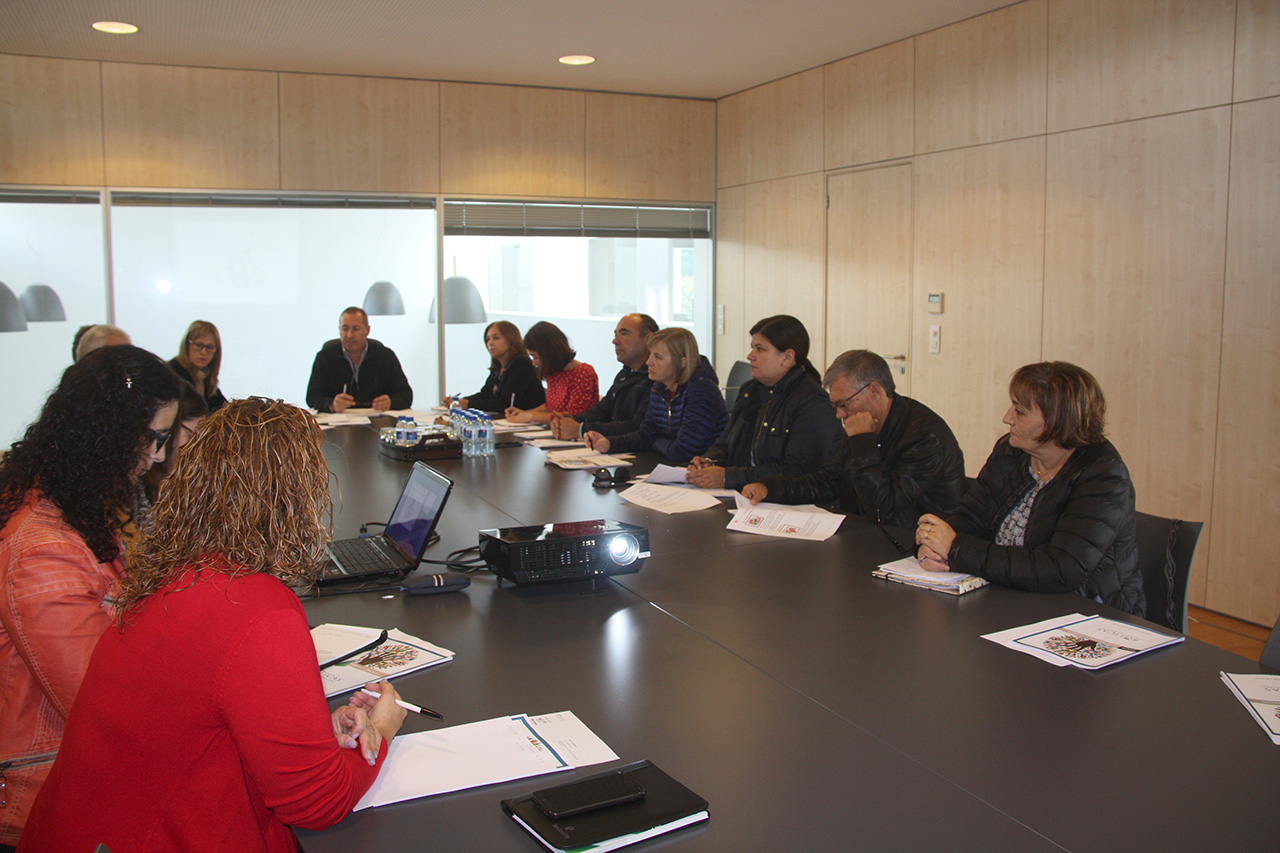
[(623, 406), (354, 371)]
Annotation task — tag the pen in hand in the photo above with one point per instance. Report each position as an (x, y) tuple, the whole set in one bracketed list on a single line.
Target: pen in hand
[(408, 706)]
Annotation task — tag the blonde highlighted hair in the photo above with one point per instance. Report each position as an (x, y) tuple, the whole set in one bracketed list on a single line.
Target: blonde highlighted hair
[(681, 344), (251, 487)]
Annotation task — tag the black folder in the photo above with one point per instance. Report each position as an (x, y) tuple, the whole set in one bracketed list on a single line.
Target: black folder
[(665, 802)]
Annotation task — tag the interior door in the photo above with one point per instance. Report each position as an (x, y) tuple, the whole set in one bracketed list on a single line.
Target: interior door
[(869, 265)]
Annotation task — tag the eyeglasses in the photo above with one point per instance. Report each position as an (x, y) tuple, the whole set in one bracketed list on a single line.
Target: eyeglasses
[(160, 438), (844, 404), (196, 345)]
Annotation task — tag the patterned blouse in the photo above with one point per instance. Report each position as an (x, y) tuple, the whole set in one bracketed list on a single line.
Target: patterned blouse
[(573, 391), (1013, 530)]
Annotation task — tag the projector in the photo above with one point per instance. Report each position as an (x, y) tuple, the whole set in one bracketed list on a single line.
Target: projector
[(569, 551)]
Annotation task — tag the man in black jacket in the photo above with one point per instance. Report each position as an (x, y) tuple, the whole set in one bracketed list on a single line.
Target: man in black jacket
[(354, 371), (623, 406), (899, 459)]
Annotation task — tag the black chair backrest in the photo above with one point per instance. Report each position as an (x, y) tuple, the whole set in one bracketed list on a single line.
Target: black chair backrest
[(738, 375), (1166, 548), (1271, 654)]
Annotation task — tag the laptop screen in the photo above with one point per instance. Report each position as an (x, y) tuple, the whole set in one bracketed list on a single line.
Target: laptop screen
[(418, 509)]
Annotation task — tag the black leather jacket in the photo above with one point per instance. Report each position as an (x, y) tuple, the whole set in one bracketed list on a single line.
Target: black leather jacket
[(788, 429), (1081, 535), (519, 379), (623, 406), (913, 465)]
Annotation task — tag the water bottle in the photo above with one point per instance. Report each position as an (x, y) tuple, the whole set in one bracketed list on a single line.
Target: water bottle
[(400, 433), (468, 434), (410, 430), (486, 435)]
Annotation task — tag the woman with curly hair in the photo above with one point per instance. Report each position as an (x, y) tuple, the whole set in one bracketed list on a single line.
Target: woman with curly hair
[(198, 361), (238, 743), (66, 491)]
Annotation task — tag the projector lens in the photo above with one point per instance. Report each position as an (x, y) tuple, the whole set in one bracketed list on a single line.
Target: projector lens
[(624, 549)]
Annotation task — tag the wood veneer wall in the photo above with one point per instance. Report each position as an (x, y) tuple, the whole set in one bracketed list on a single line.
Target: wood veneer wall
[(1091, 180)]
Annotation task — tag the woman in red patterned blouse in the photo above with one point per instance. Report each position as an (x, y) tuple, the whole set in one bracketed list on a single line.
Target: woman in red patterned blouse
[(572, 387)]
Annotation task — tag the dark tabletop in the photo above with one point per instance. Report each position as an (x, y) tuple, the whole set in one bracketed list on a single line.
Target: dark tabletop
[(811, 704)]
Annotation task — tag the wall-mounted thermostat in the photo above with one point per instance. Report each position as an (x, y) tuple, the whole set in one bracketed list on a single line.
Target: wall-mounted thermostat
[(935, 303)]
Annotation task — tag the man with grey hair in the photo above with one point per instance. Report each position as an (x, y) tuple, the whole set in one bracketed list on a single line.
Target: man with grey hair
[(90, 338), (899, 459)]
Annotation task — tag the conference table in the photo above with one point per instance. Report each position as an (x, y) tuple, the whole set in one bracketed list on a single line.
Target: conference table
[(813, 705)]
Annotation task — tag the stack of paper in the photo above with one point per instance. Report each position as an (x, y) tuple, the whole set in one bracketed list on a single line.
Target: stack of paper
[(668, 499), (908, 571), (788, 522), (483, 753), (546, 442), (1089, 642), (1260, 694), (584, 457), (399, 654)]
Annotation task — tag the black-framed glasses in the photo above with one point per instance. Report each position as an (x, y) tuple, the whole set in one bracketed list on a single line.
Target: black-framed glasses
[(202, 347), (160, 438), (844, 404)]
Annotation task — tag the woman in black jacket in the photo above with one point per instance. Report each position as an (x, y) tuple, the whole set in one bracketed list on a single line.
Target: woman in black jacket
[(512, 375), (1053, 508), (198, 361), (782, 421)]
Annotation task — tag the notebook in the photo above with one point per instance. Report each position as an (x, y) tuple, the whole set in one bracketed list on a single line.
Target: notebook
[(396, 552)]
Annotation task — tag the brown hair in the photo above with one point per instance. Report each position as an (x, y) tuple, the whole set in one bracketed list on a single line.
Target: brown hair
[(1068, 397), (681, 344), (251, 486), (552, 347), (511, 333), (198, 329)]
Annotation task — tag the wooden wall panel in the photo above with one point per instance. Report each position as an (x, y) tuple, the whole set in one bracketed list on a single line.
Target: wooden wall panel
[(786, 254), (168, 126), (982, 80), (869, 113), (1136, 217), (731, 263), (1246, 492), (364, 134), (511, 140), (869, 297), (771, 131), (979, 238), (50, 121), (1114, 61), (650, 148), (1257, 70)]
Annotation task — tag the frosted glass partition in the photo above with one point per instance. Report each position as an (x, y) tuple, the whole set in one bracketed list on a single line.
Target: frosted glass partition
[(274, 281), (58, 244), (583, 285)]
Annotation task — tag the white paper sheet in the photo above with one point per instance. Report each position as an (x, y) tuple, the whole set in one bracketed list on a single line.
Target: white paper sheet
[(786, 522), (668, 499), (741, 502), (401, 654), (1008, 637), (482, 753), (583, 457)]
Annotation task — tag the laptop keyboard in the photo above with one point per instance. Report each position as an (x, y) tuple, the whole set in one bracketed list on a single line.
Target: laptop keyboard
[(359, 556)]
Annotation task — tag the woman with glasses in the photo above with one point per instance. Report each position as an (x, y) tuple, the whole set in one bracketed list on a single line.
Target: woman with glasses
[(782, 421), (198, 361), (67, 488), (1053, 508), (202, 710)]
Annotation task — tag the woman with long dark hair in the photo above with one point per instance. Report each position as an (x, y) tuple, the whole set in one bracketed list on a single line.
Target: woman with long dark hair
[(512, 381), (572, 386), (66, 491), (782, 421), (198, 361), (234, 742)]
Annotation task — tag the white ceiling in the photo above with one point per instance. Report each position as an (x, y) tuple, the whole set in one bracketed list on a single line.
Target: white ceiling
[(689, 48)]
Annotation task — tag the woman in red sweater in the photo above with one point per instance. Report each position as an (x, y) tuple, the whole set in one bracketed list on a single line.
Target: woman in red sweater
[(201, 723), (572, 386)]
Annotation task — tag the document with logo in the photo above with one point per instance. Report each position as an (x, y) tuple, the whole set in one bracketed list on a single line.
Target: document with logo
[(483, 753), (398, 654), (1260, 695), (1095, 641), (788, 522)]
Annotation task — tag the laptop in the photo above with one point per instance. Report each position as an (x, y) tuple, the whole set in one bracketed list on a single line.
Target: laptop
[(395, 552)]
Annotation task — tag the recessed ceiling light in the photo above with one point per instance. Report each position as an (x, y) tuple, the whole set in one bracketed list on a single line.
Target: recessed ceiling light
[(117, 27), (577, 60)]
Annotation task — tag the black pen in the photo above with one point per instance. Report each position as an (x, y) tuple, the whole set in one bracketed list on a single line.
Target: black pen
[(408, 706)]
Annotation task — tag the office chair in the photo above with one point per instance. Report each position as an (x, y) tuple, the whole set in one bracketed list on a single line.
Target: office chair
[(1166, 548), (738, 375), (1271, 654)]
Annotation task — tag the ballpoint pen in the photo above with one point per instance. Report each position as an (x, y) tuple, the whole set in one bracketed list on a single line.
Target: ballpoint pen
[(408, 706)]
